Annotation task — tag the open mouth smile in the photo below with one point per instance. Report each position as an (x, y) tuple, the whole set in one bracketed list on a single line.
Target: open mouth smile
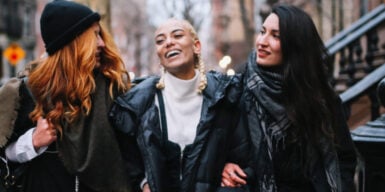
[(172, 53)]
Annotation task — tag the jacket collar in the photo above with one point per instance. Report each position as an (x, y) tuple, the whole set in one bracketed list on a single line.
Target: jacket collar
[(216, 87), (139, 97)]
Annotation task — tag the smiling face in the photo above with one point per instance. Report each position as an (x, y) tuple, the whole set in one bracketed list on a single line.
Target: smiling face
[(99, 43), (268, 43), (177, 47)]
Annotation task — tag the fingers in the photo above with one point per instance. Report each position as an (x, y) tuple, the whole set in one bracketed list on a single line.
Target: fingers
[(44, 134), (146, 188), (228, 183), (52, 132), (239, 172), (237, 179), (233, 175), (43, 125), (239, 175)]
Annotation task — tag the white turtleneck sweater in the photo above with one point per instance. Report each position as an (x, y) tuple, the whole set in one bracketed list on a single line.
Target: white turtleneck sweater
[(183, 105)]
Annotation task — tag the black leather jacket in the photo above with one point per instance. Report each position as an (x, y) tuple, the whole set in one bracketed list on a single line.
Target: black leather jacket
[(136, 114)]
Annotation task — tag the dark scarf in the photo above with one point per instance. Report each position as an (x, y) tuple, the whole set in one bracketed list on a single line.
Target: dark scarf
[(89, 148), (265, 87), (265, 84)]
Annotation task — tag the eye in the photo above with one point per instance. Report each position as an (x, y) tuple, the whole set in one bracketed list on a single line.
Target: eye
[(159, 41), (276, 36), (178, 35), (262, 32)]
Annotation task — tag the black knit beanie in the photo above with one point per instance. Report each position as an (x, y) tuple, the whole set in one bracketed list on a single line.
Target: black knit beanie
[(61, 21)]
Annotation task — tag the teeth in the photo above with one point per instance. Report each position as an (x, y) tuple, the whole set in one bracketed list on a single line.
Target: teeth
[(263, 51), (172, 53)]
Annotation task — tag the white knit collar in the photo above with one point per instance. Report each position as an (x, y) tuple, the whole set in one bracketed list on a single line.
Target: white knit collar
[(180, 88)]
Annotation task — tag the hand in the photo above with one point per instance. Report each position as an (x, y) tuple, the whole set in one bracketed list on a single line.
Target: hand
[(233, 176), (44, 134), (146, 188)]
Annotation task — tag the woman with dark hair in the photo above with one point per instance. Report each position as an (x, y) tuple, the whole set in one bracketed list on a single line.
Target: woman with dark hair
[(300, 138), (58, 122)]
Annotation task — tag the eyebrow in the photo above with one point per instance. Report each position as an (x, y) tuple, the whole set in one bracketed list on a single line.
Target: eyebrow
[(273, 30), (162, 34)]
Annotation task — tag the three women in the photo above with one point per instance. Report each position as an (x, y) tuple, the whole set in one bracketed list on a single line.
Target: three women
[(181, 127)]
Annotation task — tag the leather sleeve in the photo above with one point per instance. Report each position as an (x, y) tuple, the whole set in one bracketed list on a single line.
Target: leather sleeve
[(122, 119), (241, 146), (132, 159)]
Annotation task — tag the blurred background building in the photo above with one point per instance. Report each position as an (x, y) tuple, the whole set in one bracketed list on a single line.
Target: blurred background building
[(227, 27), (17, 29)]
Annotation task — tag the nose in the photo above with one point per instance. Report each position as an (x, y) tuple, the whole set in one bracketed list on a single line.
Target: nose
[(169, 42), (100, 42), (261, 40)]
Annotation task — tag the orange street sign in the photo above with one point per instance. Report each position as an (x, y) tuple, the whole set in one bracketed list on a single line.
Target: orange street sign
[(14, 53)]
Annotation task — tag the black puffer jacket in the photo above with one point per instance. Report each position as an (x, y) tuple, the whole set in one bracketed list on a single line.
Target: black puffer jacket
[(136, 114)]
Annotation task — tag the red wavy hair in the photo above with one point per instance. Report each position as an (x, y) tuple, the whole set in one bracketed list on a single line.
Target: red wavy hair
[(62, 83)]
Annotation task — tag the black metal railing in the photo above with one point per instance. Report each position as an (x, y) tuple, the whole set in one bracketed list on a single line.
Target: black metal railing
[(355, 51), (357, 58), (366, 86)]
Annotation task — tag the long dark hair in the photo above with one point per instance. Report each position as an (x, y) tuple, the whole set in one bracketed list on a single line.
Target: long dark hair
[(308, 96)]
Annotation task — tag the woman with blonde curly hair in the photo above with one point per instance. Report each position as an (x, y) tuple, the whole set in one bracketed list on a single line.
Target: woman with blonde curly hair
[(183, 122), (65, 136)]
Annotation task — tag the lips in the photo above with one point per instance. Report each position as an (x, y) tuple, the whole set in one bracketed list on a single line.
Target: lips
[(97, 56), (263, 53), (172, 53)]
